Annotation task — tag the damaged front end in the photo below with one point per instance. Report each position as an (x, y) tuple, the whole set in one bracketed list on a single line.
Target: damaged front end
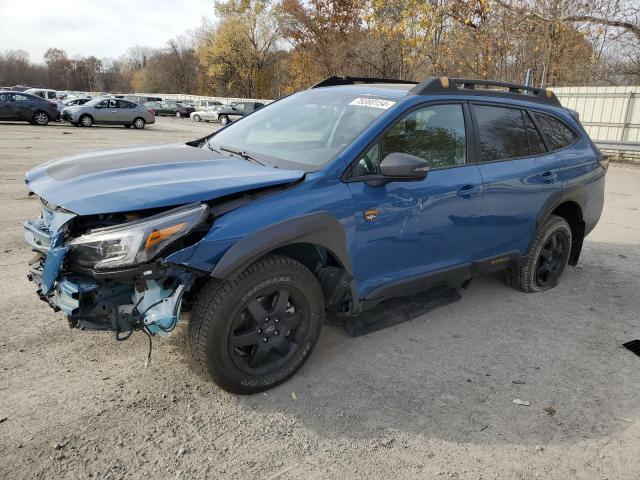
[(105, 272)]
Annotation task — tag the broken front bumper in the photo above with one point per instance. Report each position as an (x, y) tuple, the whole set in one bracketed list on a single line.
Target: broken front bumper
[(147, 297)]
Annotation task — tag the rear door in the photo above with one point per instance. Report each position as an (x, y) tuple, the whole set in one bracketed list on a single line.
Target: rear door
[(519, 176), (24, 106), (7, 107), (238, 111), (125, 111)]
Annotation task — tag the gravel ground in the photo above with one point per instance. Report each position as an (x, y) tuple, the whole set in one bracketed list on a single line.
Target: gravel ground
[(430, 398)]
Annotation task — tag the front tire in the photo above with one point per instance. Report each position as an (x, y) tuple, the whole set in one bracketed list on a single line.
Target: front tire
[(196, 118), (86, 120), (40, 118), (223, 120), (255, 331), (548, 255)]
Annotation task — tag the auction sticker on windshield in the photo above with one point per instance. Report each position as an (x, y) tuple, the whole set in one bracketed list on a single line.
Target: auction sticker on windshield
[(373, 102)]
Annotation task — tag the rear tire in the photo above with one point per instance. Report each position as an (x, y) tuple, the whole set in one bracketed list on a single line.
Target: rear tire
[(547, 257), (255, 331), (139, 123), (86, 120), (196, 118), (223, 119), (178, 115), (40, 118)]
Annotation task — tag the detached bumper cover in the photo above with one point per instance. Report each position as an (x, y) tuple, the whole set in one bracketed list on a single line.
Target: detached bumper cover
[(46, 236)]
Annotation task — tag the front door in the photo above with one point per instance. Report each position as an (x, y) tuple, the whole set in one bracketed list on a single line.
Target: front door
[(519, 176), (100, 112), (410, 232)]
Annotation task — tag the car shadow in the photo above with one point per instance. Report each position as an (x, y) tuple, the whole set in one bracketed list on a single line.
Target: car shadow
[(454, 373)]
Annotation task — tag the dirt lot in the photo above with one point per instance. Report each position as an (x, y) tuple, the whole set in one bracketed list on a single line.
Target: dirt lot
[(431, 398)]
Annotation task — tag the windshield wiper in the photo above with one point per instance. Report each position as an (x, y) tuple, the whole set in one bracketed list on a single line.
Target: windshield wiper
[(241, 154)]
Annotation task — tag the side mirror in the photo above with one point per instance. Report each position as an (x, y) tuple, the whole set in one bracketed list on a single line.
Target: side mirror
[(404, 167)]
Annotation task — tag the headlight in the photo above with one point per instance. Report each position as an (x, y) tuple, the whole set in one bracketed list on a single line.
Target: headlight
[(139, 241)]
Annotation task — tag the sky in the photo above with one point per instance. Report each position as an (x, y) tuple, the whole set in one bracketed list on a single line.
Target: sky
[(104, 28)]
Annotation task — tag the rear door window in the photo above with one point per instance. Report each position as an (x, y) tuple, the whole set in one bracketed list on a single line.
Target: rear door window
[(536, 144), (503, 134), (556, 133)]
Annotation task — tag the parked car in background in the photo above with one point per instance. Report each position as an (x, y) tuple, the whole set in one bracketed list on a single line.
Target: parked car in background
[(202, 104), (72, 101), (188, 103), (208, 114), (169, 109), (26, 107), (236, 110), (43, 92), (141, 99), (109, 111), (16, 88)]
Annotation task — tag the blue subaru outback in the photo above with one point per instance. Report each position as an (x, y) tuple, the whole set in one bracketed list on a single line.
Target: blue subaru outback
[(327, 201)]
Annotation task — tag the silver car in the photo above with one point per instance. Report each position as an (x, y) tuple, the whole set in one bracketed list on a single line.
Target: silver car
[(109, 111)]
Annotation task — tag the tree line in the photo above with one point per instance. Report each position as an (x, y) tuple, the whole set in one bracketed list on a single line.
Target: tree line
[(269, 48)]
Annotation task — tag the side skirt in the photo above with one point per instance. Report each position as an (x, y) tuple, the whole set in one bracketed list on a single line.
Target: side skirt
[(451, 277)]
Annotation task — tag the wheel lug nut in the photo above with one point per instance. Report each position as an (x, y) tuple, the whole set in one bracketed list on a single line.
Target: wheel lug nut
[(266, 320), (264, 339), (259, 330), (276, 321), (277, 332)]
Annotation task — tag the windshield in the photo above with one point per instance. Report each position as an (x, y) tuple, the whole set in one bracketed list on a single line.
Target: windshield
[(306, 130)]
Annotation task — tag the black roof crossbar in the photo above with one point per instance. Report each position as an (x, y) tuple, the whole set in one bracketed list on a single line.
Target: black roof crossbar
[(452, 85), (333, 81)]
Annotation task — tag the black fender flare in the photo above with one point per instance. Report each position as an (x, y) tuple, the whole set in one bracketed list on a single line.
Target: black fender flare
[(574, 194), (319, 228)]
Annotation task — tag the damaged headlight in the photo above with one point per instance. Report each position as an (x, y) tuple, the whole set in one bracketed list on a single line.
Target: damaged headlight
[(138, 241)]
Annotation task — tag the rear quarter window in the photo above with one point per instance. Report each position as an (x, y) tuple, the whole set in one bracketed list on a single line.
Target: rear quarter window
[(555, 132)]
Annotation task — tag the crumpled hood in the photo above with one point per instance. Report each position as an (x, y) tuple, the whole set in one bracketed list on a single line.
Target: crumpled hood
[(155, 176)]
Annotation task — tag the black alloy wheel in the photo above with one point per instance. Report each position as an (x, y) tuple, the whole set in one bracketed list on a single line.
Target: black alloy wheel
[(254, 331), (545, 261), (269, 330), (552, 259)]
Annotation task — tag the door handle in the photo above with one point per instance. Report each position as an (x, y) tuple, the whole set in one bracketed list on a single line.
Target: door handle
[(549, 177), (469, 190)]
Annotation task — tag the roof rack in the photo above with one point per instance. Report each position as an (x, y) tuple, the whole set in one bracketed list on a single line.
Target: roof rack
[(451, 85), (333, 81)]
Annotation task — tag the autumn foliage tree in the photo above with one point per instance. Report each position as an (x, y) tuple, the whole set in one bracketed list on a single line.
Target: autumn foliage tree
[(268, 48)]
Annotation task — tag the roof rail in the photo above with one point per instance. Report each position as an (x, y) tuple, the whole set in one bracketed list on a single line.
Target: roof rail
[(333, 81), (451, 85)]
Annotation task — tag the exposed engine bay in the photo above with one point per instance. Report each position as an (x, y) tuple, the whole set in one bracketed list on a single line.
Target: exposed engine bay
[(102, 271)]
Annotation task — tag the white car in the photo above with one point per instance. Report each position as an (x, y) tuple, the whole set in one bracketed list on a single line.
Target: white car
[(43, 92), (207, 114), (202, 104)]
